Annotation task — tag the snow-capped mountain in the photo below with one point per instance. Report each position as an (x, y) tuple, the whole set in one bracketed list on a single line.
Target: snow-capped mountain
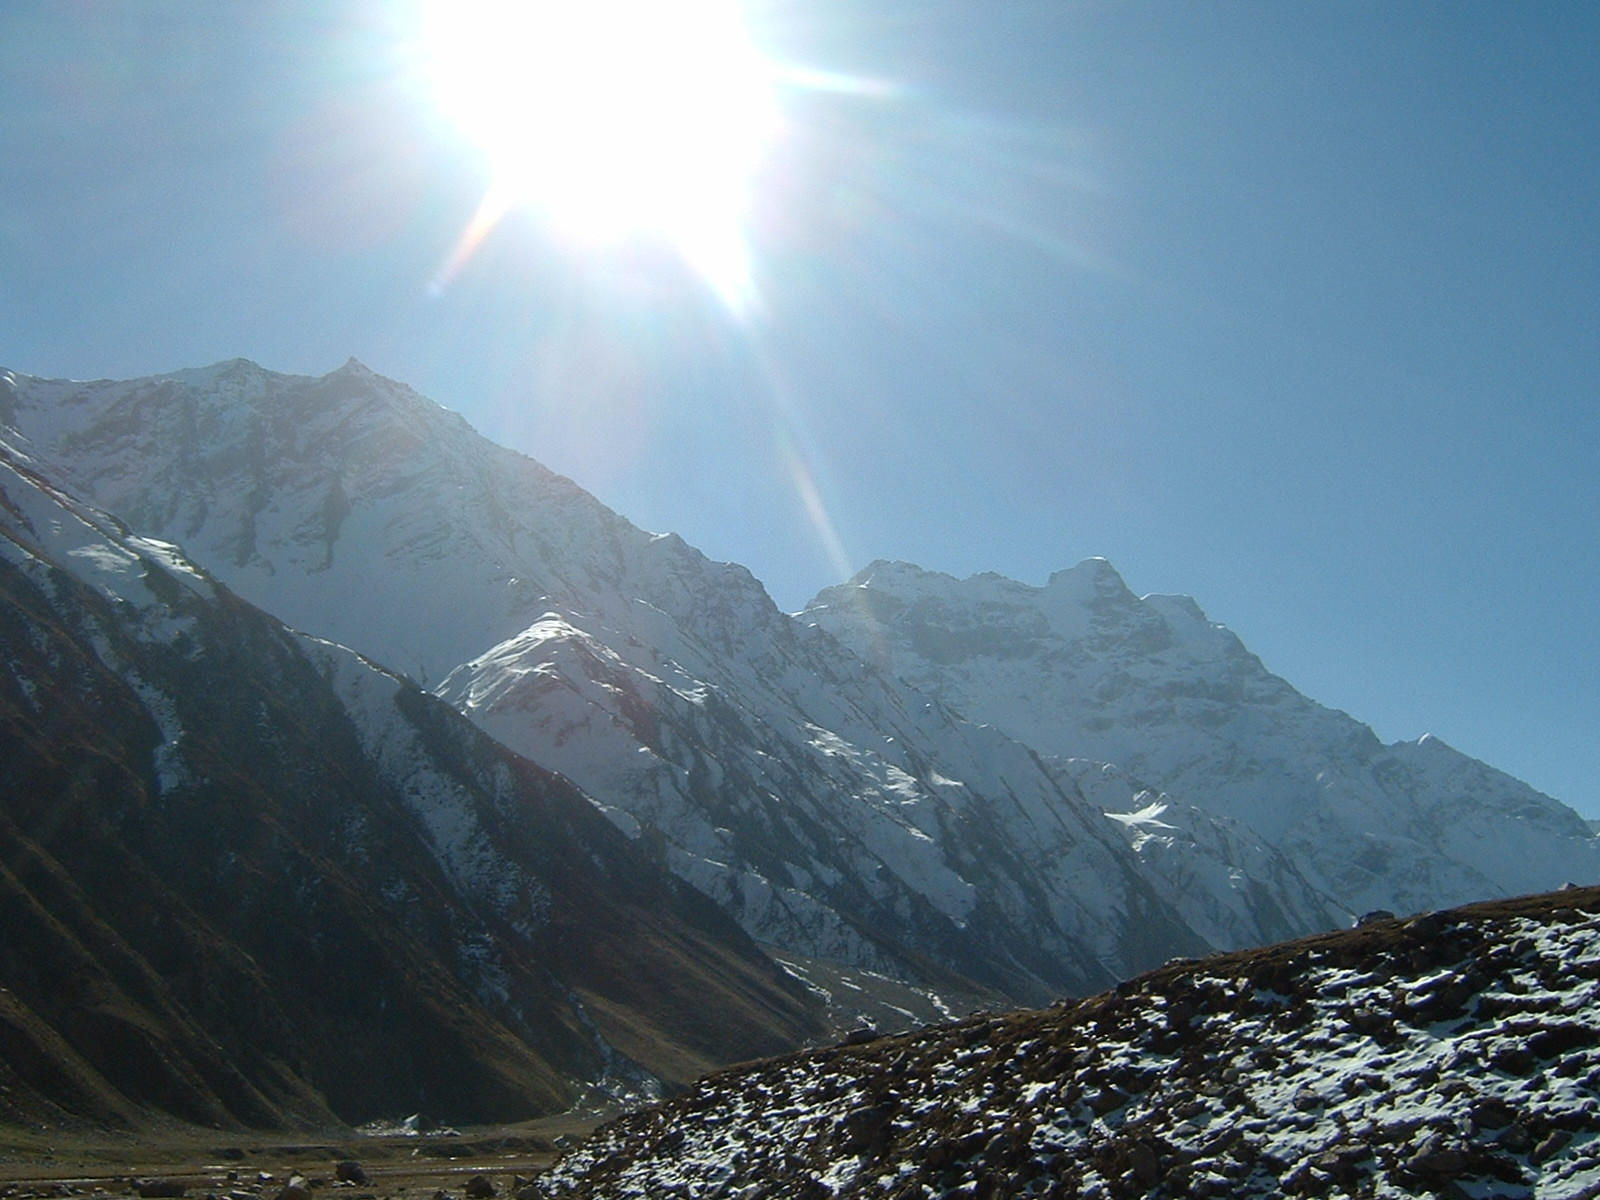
[(832, 810), (249, 877), (1083, 667), (819, 778)]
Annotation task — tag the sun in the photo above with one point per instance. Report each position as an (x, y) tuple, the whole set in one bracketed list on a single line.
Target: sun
[(613, 120)]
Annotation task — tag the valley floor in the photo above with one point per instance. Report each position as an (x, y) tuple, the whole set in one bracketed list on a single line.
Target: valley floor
[(235, 1166)]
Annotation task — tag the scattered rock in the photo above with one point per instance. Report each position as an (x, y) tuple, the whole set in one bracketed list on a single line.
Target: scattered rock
[(1342, 1162), (1514, 1060), (861, 1128), (1144, 1163), (1307, 1100), (349, 1171), (1551, 1145), (1436, 1157), (1517, 1139), (479, 1187), (161, 1189), (1491, 1112), (1293, 1078)]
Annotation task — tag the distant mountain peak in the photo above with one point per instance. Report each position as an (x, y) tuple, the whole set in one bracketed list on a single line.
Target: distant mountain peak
[(1093, 579), (1091, 576), (890, 571), (228, 368), (1094, 567)]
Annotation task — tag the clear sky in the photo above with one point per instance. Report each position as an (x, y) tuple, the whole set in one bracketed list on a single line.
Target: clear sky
[(1291, 307)]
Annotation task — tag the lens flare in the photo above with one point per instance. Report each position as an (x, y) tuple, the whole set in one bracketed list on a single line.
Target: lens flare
[(614, 120)]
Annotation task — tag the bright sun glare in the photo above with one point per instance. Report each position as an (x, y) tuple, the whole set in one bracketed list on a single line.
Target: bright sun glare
[(613, 119)]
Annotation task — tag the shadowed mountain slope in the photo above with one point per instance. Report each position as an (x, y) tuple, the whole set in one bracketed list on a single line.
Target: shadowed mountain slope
[(247, 877)]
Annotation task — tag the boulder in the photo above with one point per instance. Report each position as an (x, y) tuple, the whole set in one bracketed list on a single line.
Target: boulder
[(349, 1171)]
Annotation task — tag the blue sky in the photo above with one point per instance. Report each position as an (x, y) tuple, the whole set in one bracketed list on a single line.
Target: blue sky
[(1294, 308)]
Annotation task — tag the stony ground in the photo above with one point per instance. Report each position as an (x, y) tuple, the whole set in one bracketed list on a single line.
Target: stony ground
[(1455, 1054)]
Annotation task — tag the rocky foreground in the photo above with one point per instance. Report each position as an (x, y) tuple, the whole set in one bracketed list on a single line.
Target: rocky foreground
[(1456, 1054)]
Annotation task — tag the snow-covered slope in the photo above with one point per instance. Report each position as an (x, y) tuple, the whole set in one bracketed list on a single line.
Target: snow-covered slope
[(1231, 887), (1457, 1054), (1082, 667), (834, 811)]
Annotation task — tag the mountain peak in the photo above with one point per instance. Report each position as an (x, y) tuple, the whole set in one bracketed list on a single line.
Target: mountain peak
[(1093, 567), (1177, 609), (1092, 579), (1089, 578), (229, 369), (893, 571)]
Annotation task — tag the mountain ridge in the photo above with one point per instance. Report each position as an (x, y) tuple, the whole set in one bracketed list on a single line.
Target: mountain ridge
[(1084, 668), (822, 777), (770, 726)]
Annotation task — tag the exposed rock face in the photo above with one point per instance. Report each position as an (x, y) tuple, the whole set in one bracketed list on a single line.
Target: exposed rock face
[(1456, 1053), (249, 877)]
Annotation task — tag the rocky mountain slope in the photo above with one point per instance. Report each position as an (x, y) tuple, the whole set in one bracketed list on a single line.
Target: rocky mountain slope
[(833, 811), (1084, 668), (248, 877), (1456, 1054), (825, 786)]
